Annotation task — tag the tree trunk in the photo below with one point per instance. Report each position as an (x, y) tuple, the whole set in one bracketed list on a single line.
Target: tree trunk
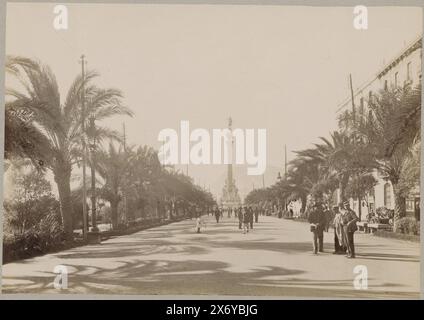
[(62, 177), (360, 209), (341, 190), (400, 204), (303, 199), (114, 213), (93, 196)]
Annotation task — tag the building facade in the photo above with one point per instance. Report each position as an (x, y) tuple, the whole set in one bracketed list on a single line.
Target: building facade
[(403, 70)]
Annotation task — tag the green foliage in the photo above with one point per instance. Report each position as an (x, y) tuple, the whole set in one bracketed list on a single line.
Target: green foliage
[(32, 223), (407, 225), (385, 138), (146, 184), (55, 124), (359, 185), (42, 237), (390, 131), (32, 201)]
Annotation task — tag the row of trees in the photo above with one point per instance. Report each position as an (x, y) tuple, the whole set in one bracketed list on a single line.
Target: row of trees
[(47, 129), (384, 139), (137, 175)]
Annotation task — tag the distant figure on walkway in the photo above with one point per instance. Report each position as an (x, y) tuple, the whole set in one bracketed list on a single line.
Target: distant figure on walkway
[(256, 214), (280, 212), (339, 236), (240, 217), (250, 213), (328, 217), (349, 226), (317, 221), (199, 224), (246, 221), (217, 214)]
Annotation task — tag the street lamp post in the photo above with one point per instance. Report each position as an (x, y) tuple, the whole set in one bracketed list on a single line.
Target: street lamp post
[(84, 192), (93, 235), (93, 176)]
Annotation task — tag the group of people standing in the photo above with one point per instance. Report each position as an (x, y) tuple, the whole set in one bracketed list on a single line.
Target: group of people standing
[(344, 223), (246, 215)]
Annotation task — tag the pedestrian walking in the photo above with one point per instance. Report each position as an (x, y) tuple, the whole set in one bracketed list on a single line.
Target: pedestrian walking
[(280, 211), (240, 217), (349, 219), (328, 217), (217, 214), (246, 221), (250, 213), (256, 214), (317, 221), (199, 224)]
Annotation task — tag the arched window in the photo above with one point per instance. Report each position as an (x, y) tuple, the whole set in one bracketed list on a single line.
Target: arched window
[(387, 195)]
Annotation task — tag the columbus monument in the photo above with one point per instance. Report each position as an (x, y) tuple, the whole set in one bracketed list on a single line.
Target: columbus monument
[(230, 197)]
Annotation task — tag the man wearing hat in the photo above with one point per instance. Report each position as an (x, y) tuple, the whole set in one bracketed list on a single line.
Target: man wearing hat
[(317, 220), (349, 219)]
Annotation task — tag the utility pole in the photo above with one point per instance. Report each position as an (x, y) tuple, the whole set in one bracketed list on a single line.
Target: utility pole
[(285, 173), (124, 195), (352, 98), (84, 190), (125, 137), (93, 175), (263, 181), (285, 162)]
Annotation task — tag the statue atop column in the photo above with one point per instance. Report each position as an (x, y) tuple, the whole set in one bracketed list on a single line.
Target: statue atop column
[(230, 197)]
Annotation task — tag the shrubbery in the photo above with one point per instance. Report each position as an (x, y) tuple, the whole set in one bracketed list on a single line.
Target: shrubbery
[(32, 221), (45, 236), (408, 225), (382, 215)]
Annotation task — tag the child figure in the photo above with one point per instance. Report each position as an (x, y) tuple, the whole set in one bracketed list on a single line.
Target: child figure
[(199, 224)]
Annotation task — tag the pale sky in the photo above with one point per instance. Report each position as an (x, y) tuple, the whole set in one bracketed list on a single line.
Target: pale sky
[(275, 67)]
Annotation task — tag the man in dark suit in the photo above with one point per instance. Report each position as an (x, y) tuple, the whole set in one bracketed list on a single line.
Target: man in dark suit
[(240, 217), (317, 220)]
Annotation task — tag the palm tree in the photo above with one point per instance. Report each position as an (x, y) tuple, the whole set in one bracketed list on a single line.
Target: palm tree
[(22, 138), (340, 158), (328, 166), (60, 122), (112, 167), (390, 131), (101, 104), (302, 175)]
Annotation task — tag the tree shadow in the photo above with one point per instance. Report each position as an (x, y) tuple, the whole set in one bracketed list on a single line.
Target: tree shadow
[(388, 257), (136, 272), (194, 277)]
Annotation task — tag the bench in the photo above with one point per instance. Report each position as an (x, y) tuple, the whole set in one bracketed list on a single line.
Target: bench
[(373, 227)]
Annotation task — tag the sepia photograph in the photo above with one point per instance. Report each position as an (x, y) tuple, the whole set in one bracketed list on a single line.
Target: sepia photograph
[(212, 150)]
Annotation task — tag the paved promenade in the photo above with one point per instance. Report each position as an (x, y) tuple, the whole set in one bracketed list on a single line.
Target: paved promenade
[(274, 260)]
